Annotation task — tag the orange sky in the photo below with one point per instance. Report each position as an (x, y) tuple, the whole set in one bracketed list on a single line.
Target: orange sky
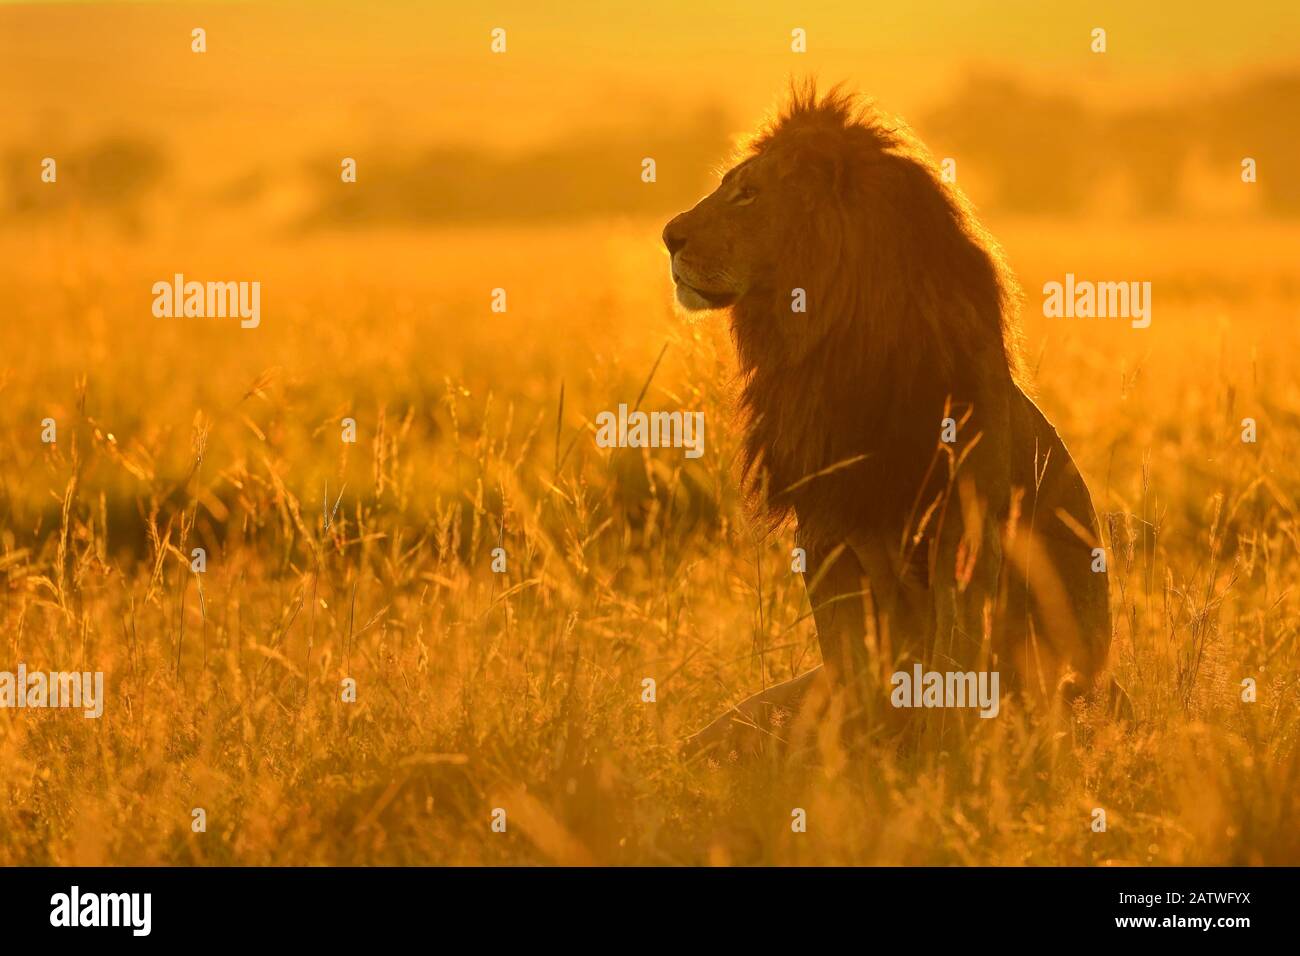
[(424, 70), (284, 89)]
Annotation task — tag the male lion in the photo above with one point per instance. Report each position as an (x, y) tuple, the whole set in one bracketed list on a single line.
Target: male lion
[(943, 520)]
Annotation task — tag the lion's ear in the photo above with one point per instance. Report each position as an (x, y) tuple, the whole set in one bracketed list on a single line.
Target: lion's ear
[(816, 166), (826, 170)]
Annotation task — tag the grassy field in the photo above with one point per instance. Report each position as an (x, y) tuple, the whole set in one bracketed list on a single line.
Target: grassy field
[(523, 690)]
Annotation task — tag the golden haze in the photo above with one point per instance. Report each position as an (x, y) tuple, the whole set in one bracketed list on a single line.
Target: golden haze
[(522, 172)]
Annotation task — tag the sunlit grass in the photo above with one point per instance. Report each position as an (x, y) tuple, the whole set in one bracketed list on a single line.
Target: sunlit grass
[(524, 690)]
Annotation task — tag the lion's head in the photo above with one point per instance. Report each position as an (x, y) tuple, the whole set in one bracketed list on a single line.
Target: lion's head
[(732, 243), (861, 289)]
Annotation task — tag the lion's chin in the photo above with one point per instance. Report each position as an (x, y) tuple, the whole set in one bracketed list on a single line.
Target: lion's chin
[(694, 300)]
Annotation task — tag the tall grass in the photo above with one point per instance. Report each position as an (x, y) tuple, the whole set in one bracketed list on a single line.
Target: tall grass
[(523, 690)]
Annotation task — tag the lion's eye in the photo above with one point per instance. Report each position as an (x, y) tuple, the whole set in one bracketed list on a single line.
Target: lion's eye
[(744, 196)]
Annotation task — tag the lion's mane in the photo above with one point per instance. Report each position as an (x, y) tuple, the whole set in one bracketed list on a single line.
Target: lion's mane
[(908, 302)]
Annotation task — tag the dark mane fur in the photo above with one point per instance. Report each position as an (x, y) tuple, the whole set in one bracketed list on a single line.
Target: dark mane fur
[(908, 301)]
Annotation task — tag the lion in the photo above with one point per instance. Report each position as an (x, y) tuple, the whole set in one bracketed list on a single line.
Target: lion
[(943, 520)]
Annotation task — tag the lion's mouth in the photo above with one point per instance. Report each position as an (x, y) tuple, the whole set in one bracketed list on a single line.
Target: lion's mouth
[(715, 300)]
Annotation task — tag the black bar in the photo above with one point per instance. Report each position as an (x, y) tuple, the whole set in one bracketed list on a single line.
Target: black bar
[(333, 905)]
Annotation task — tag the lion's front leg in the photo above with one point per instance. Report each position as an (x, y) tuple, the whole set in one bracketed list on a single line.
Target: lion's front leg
[(835, 581), (760, 721), (966, 582)]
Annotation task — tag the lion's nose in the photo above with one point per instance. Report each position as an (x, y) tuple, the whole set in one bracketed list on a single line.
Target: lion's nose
[(674, 238)]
